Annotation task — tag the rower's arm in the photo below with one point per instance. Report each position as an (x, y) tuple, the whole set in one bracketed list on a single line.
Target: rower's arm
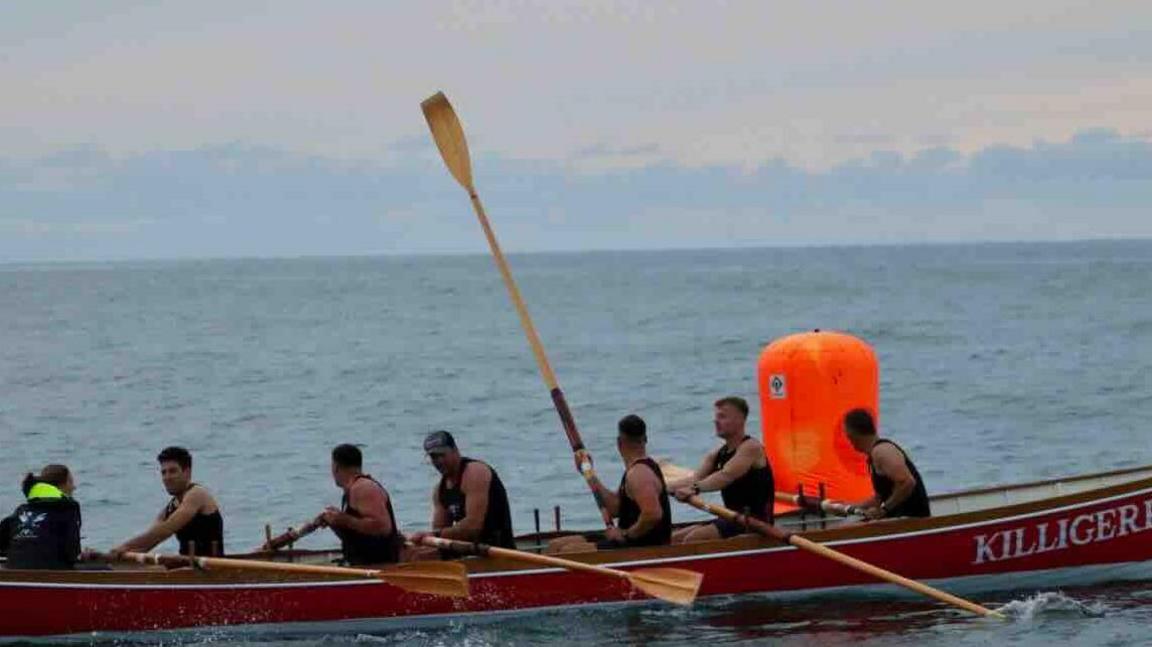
[(745, 459), (609, 497), (439, 513), (474, 485), (700, 474), (644, 488), (372, 504), (890, 462), (162, 528)]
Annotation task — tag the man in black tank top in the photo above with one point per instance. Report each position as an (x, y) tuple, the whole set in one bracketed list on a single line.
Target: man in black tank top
[(192, 514), (469, 502), (640, 504), (364, 522), (899, 490), (738, 468)]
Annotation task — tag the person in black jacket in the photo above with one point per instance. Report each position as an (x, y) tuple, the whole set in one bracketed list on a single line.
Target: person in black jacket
[(44, 532)]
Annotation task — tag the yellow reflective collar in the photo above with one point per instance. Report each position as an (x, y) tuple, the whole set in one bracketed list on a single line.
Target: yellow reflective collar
[(45, 491)]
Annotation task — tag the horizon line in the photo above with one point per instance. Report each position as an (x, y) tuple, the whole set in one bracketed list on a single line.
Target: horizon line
[(591, 250)]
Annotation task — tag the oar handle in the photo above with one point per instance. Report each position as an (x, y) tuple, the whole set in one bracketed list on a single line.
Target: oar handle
[(484, 550), (769, 530), (293, 535), (829, 506)]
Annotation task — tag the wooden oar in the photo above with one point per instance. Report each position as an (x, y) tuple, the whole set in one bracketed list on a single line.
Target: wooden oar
[(292, 535), (449, 137), (675, 585), (829, 506), (434, 578), (674, 472), (769, 530)]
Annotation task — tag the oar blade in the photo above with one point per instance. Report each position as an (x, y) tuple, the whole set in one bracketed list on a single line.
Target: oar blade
[(675, 585), (432, 577), (449, 136)]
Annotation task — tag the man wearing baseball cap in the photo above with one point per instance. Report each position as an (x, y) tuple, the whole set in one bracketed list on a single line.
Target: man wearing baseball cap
[(469, 503)]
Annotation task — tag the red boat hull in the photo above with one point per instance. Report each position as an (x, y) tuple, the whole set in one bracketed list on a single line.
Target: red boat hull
[(1083, 535)]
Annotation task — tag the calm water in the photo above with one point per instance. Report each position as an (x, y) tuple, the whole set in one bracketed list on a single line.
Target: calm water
[(999, 363)]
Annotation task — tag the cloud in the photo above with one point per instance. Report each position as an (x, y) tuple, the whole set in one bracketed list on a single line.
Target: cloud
[(238, 200), (725, 83)]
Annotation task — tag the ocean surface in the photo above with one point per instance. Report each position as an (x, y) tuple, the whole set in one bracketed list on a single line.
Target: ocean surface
[(999, 363)]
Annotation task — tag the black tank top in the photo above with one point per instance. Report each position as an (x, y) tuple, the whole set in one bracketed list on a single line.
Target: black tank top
[(661, 533), (915, 505), (753, 493), (360, 548), (497, 530), (203, 536)]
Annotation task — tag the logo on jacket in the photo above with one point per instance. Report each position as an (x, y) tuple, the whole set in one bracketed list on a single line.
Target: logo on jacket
[(29, 524)]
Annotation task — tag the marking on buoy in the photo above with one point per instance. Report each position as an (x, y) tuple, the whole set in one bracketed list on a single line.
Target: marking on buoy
[(777, 387)]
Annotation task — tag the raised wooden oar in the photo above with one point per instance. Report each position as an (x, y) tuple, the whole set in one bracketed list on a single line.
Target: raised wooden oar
[(769, 530), (449, 137), (674, 472), (675, 585), (434, 578), (292, 535)]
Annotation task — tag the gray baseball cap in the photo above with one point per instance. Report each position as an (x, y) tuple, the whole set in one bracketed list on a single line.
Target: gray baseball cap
[(439, 442)]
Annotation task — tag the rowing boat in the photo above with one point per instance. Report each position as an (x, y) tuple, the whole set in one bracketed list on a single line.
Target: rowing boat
[(1071, 531)]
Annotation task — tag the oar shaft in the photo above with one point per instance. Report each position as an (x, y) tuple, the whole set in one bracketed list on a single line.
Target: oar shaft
[(484, 550), (558, 399), (245, 564), (832, 507), (521, 309), (876, 571), (292, 536), (769, 530), (450, 140)]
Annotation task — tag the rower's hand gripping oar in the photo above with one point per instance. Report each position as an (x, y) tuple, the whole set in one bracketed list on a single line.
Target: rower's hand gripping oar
[(671, 584), (433, 578), (674, 472), (449, 137), (769, 530)]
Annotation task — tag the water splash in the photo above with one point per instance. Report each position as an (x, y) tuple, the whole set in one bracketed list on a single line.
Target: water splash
[(1049, 603)]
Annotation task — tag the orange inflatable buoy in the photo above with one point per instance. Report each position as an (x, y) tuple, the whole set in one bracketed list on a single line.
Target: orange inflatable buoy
[(807, 383)]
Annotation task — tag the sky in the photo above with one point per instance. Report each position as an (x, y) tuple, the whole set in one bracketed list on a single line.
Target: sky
[(174, 129)]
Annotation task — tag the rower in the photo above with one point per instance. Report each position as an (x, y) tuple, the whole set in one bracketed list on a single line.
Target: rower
[(44, 532), (899, 490), (640, 505), (738, 468), (192, 514), (365, 522), (469, 503)]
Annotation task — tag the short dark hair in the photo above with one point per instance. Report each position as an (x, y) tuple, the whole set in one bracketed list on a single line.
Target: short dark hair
[(52, 474), (346, 455), (736, 402), (633, 428), (177, 455), (860, 422)]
